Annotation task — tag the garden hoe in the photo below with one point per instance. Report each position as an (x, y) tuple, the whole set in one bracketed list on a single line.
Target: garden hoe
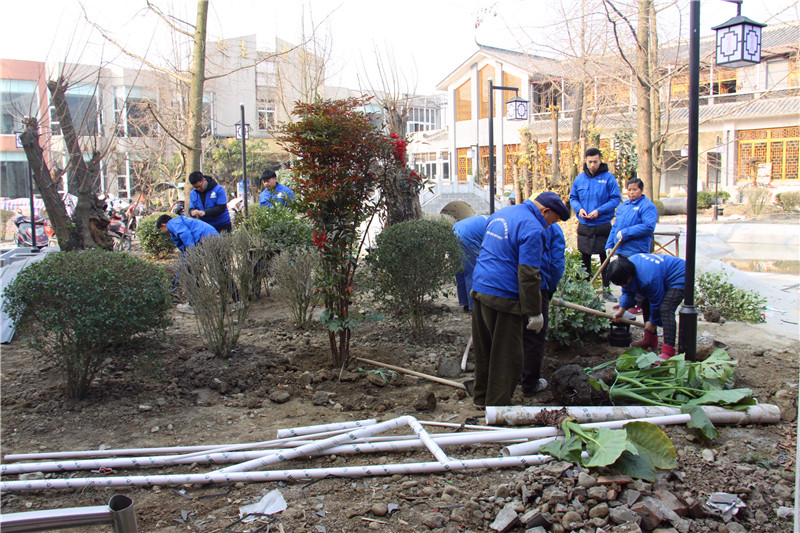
[(563, 303)]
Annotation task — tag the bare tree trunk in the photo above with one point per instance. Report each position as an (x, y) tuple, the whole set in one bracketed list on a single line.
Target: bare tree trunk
[(655, 108), (644, 127), (577, 123), (400, 206), (555, 161), (524, 188), (193, 150)]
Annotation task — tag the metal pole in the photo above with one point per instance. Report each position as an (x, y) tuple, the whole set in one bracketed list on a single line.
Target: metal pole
[(33, 215), (244, 162), (120, 513), (688, 313), (491, 147)]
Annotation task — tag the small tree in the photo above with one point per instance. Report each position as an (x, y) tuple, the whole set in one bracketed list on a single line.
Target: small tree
[(566, 325), (343, 160), (214, 274), (413, 262)]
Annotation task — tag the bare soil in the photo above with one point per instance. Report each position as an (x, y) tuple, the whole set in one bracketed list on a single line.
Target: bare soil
[(173, 392)]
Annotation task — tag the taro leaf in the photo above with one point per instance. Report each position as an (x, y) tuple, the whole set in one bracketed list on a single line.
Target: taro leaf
[(646, 360), (636, 466), (653, 443), (568, 449), (718, 365), (627, 361), (732, 398), (700, 421), (606, 447), (598, 385)]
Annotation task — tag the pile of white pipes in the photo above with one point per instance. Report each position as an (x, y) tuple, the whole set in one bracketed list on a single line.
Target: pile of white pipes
[(248, 461)]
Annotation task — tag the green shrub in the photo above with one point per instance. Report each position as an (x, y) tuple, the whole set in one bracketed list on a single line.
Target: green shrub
[(212, 275), (293, 271), (78, 307), (565, 325), (714, 290), (278, 227), (413, 261), (154, 243), (705, 199), (757, 199), (789, 201)]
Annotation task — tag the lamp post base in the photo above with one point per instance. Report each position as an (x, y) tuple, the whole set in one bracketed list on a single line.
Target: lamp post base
[(687, 325)]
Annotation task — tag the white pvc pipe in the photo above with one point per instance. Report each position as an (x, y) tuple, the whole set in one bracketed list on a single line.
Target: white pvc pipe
[(322, 445), (282, 475), (524, 415), (307, 430), (364, 445)]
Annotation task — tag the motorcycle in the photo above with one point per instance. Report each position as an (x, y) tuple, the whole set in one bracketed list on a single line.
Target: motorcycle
[(119, 231), (24, 235)]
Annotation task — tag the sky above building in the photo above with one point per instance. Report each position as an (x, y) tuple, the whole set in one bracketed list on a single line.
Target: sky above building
[(422, 41)]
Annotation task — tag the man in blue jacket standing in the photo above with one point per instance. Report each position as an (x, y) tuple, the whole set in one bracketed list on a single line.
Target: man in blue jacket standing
[(533, 342), (658, 281), (208, 202), (274, 193), (506, 293), (594, 198), (469, 232)]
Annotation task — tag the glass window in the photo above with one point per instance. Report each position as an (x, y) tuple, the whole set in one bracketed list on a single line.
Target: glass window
[(14, 179), (17, 99), (266, 116)]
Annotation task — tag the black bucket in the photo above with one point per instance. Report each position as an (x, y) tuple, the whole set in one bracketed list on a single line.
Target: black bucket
[(620, 335)]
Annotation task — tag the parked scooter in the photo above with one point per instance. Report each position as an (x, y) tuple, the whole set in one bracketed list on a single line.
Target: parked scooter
[(24, 234), (118, 230)]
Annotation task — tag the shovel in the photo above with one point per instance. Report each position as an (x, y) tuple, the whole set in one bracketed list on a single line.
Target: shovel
[(599, 270)]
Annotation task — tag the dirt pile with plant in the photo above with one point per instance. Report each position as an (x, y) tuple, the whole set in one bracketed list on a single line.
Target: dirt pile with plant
[(176, 393)]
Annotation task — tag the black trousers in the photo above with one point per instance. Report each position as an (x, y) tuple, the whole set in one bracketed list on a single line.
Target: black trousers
[(497, 341), (533, 345)]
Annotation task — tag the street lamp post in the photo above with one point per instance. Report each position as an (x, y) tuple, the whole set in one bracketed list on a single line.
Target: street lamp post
[(738, 44), (516, 109)]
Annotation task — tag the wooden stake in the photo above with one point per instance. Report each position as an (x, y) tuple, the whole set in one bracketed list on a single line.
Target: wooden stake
[(455, 384)]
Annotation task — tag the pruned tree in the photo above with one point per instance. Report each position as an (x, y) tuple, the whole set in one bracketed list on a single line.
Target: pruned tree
[(87, 227)]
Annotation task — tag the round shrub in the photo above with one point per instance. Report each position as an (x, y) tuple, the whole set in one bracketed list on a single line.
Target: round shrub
[(78, 307), (154, 243), (413, 261), (277, 227)]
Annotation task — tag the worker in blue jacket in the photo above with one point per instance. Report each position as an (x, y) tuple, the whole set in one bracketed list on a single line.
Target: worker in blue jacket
[(274, 193), (658, 281), (185, 232), (533, 342), (594, 198), (208, 202), (506, 293), (469, 232), (635, 222)]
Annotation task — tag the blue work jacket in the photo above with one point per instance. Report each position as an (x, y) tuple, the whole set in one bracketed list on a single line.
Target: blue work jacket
[(654, 275), (553, 259), (636, 219), (514, 237), (213, 196), (186, 232), (470, 232), (281, 194), (595, 192)]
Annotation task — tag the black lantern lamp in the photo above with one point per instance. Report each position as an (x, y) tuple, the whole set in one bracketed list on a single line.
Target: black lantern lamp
[(738, 41), (517, 109)]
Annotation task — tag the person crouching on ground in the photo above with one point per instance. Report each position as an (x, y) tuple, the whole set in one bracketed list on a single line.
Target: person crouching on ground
[(506, 293), (185, 233), (658, 280)]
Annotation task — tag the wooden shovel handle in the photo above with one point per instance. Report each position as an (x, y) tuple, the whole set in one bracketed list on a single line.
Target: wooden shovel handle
[(563, 303), (599, 270)]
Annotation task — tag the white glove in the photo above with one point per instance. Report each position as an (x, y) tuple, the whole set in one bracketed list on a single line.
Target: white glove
[(535, 323), (619, 235)]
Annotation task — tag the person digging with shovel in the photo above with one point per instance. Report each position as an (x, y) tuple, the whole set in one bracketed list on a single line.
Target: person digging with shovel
[(658, 280)]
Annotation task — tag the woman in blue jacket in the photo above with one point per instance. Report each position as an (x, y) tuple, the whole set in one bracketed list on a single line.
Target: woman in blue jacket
[(635, 223), (658, 280)]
